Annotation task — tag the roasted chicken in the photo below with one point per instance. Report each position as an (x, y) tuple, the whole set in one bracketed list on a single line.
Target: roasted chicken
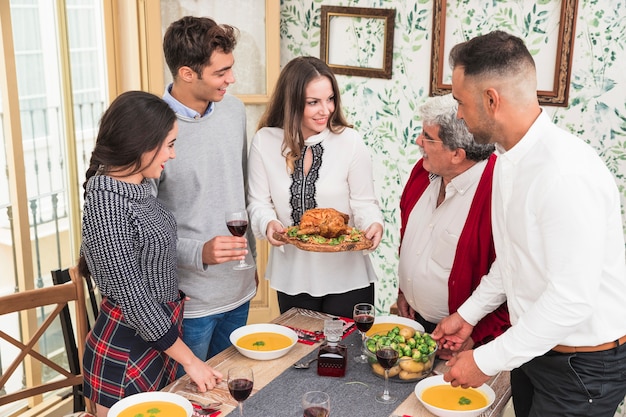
[(326, 222)]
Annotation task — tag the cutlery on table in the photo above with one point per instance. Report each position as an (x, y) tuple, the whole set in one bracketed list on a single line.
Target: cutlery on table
[(201, 405), (304, 365), (201, 410), (315, 337)]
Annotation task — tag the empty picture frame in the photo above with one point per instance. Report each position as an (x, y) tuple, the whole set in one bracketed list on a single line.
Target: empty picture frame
[(357, 40), (553, 63)]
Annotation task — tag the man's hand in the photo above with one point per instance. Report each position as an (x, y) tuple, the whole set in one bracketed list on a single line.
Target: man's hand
[(464, 372), (222, 249), (446, 354), (404, 309), (452, 332)]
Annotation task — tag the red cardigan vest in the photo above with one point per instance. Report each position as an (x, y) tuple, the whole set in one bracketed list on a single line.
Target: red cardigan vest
[(475, 251)]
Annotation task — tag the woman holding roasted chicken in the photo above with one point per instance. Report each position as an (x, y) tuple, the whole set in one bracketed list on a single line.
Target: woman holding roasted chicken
[(306, 156)]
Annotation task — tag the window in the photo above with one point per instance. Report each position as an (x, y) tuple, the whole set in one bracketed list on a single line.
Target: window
[(59, 78)]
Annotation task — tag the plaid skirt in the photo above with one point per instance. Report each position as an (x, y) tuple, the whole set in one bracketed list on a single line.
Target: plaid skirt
[(118, 362)]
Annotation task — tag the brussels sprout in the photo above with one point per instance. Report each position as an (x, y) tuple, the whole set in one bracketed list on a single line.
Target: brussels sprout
[(406, 351)]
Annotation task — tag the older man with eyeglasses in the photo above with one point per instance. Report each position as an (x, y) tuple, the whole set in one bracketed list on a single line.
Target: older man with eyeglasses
[(446, 241)]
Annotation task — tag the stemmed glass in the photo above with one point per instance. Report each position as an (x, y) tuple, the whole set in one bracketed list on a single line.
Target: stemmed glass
[(363, 315), (387, 358), (316, 404), (237, 223), (240, 383)]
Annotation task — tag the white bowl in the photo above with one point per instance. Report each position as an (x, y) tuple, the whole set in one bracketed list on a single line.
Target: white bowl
[(441, 412), (263, 327), (395, 320), (144, 397)]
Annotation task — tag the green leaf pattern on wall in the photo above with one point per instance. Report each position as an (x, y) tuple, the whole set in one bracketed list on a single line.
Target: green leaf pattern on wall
[(384, 111)]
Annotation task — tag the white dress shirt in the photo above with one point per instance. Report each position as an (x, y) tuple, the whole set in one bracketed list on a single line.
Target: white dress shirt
[(559, 243), (430, 241)]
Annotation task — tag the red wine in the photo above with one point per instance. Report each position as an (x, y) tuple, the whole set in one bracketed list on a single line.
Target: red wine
[(387, 357), (240, 388), (316, 412), (237, 227), (364, 322)]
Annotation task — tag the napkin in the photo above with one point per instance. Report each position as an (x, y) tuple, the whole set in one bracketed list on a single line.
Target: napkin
[(310, 338), (215, 414), (197, 412)]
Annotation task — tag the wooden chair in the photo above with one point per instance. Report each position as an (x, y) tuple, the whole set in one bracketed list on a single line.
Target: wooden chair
[(56, 299)]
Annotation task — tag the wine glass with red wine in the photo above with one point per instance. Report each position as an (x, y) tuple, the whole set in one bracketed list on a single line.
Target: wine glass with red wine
[(240, 383), (387, 358), (363, 315), (316, 404), (237, 223)]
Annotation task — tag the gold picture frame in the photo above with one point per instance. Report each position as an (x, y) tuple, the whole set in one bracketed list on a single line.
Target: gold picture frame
[(341, 23), (555, 94)]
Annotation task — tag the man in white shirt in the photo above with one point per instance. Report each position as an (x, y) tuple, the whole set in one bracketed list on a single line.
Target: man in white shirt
[(447, 246), (557, 229)]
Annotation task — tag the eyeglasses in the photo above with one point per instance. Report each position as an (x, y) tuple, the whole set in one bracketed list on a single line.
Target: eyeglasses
[(431, 140), (422, 137)]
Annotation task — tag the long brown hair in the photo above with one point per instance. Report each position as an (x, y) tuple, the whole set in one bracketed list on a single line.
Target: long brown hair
[(286, 106)]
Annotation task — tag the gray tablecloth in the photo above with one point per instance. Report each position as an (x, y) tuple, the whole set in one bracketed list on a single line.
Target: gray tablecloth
[(352, 395)]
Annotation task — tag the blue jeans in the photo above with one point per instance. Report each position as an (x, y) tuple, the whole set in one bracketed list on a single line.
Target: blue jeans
[(208, 336)]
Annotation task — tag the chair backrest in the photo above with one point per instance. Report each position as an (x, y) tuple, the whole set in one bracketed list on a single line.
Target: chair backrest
[(93, 298), (62, 276), (27, 303)]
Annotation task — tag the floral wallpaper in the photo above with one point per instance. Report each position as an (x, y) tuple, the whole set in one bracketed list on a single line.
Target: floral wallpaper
[(384, 111)]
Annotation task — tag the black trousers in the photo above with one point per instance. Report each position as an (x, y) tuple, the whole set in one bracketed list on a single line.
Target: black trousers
[(429, 327), (570, 384), (337, 304)]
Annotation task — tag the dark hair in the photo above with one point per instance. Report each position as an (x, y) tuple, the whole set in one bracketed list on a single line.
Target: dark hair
[(136, 122), (286, 106), (441, 111), (496, 53), (190, 41)]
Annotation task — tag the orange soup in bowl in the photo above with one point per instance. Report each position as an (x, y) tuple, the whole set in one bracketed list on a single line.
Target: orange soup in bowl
[(264, 341), (152, 408), (454, 398)]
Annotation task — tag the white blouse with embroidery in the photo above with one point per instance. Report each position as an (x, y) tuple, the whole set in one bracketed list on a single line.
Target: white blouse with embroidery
[(343, 181)]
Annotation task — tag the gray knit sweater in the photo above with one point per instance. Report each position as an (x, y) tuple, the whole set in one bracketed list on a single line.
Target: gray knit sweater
[(129, 243), (206, 178)]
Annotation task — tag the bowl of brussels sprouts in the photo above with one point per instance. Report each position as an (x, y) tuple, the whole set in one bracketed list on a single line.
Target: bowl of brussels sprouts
[(416, 353)]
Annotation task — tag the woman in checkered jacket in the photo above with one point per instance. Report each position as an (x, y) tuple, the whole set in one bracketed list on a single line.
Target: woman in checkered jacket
[(129, 247)]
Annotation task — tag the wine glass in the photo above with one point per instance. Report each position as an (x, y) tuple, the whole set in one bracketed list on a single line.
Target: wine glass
[(363, 315), (387, 357), (316, 404), (237, 223), (240, 383)]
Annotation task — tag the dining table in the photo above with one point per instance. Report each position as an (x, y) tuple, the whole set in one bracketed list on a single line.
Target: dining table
[(278, 386)]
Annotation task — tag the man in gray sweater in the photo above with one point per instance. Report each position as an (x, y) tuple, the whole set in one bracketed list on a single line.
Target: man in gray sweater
[(206, 179)]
